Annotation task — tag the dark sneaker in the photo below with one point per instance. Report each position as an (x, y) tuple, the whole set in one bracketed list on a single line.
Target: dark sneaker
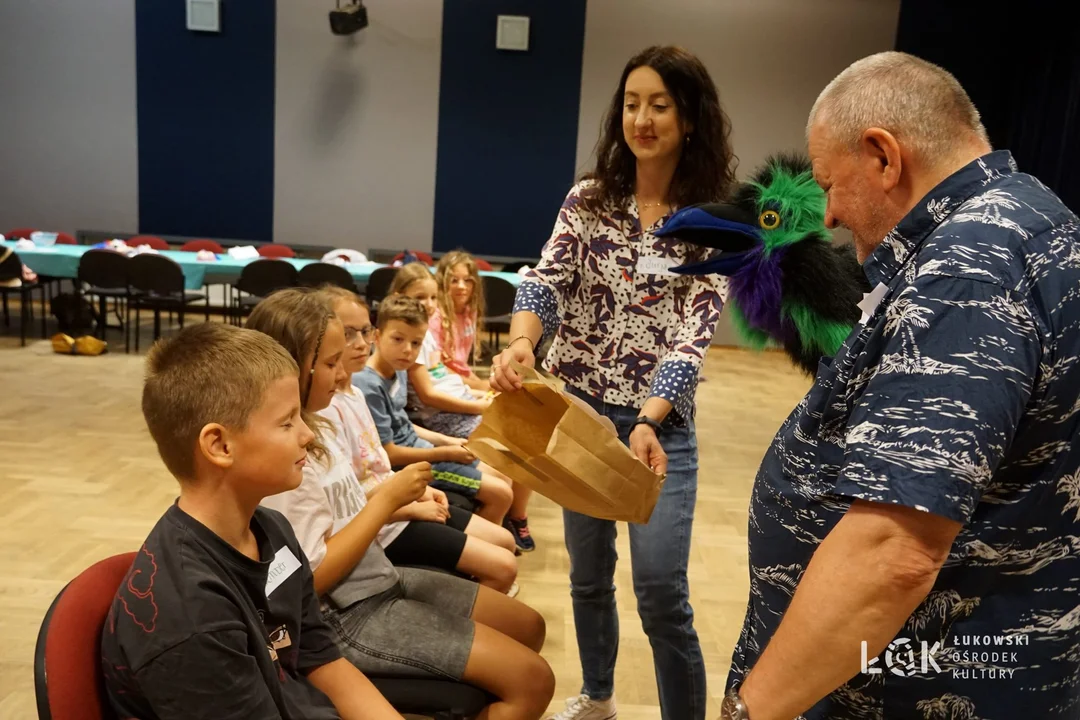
[(520, 530)]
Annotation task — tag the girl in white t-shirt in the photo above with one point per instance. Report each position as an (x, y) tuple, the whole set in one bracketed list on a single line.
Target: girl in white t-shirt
[(434, 533)]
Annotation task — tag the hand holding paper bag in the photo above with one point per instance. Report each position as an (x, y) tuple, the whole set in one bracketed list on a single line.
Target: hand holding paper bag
[(557, 445)]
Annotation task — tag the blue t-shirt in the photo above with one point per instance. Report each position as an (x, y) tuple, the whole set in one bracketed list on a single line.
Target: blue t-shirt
[(958, 397), (386, 400)]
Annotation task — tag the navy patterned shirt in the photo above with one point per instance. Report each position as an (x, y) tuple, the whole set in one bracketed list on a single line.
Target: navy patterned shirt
[(959, 396), (625, 328)]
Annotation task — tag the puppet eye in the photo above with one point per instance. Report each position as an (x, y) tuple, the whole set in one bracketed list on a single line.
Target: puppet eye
[(769, 220)]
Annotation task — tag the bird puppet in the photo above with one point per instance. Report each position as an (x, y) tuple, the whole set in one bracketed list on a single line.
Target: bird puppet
[(787, 281)]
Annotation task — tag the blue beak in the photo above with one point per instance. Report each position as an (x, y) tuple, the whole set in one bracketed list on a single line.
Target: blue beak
[(726, 228)]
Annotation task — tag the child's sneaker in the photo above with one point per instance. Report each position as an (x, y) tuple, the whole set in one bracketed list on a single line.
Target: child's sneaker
[(583, 707), (520, 530), (513, 591)]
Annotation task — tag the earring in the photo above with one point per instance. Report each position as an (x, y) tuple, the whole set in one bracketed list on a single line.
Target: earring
[(687, 138)]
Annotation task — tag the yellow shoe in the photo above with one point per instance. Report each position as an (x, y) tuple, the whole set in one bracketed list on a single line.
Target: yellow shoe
[(62, 343), (90, 345)]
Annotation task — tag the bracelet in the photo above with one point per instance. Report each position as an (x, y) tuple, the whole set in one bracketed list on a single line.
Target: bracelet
[(532, 345), (645, 420)]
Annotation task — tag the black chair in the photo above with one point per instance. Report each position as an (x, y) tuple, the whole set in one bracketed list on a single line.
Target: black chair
[(378, 285), (438, 699), (11, 269), (258, 279), (159, 283), (499, 297), (321, 273), (515, 266), (105, 274)]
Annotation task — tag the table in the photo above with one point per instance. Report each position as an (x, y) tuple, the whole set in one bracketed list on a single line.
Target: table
[(62, 261)]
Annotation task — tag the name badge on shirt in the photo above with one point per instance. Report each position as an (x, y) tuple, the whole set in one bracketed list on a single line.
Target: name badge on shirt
[(870, 302), (283, 565), (654, 266)]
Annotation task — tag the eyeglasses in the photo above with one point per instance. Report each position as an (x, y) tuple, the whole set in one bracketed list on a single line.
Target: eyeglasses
[(351, 334)]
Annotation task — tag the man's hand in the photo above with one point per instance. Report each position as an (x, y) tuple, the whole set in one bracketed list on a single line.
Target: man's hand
[(646, 448), (408, 484), (503, 378)]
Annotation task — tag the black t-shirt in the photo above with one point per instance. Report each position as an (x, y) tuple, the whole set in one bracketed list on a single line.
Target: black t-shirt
[(198, 630)]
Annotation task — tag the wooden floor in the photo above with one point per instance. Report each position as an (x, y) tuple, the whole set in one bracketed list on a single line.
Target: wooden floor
[(80, 480)]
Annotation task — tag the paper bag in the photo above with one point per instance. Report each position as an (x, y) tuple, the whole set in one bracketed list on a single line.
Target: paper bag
[(551, 442)]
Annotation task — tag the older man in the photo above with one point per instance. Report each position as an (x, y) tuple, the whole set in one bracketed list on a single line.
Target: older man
[(915, 526)]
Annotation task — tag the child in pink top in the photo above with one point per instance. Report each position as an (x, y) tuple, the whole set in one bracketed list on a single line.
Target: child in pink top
[(454, 323)]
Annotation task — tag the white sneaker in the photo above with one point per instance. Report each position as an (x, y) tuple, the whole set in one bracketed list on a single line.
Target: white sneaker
[(513, 591), (583, 707)]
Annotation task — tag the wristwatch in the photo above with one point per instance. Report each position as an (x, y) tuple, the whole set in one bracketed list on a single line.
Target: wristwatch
[(645, 420), (733, 707)]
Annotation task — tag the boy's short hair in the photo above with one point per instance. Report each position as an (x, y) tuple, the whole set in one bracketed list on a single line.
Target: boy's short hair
[(206, 373), (335, 293), (405, 309)]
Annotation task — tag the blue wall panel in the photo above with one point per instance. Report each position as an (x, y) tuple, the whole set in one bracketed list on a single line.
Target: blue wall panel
[(507, 125), (206, 120)]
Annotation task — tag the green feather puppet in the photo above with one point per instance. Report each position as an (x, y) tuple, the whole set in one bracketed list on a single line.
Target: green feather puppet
[(787, 281)]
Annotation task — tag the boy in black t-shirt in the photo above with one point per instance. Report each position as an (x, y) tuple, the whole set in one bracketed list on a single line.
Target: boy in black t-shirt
[(217, 617)]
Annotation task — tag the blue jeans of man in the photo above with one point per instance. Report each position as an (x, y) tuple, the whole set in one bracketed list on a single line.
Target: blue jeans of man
[(659, 555)]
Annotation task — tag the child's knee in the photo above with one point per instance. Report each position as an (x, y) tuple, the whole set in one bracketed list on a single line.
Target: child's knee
[(504, 570), (534, 628), (498, 489), (541, 682)]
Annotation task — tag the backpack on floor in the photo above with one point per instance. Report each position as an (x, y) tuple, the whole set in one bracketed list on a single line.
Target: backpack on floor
[(74, 314)]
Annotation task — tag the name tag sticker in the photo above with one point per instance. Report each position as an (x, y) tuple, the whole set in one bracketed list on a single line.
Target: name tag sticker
[(283, 565), (654, 266), (870, 302)]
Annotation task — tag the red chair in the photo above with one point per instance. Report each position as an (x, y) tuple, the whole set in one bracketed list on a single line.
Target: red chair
[(152, 240), (276, 251), (420, 255), (64, 239), (200, 245), (68, 679), (483, 264), (20, 233)]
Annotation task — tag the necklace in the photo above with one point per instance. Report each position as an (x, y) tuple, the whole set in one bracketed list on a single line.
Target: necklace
[(650, 205)]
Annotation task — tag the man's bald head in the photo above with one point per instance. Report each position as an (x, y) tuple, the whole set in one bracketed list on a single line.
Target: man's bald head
[(921, 104)]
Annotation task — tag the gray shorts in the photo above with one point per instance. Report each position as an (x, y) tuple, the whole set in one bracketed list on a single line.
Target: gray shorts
[(419, 628)]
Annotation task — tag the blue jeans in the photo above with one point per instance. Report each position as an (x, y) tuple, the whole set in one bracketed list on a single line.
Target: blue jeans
[(659, 555)]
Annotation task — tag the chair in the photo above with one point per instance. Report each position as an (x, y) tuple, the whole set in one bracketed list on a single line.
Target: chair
[(499, 295), (65, 239), (106, 274), (260, 278), (68, 680), (159, 283), (272, 250), (200, 245), (482, 264), (378, 285), (10, 269), (20, 233), (321, 273), (152, 240), (515, 266)]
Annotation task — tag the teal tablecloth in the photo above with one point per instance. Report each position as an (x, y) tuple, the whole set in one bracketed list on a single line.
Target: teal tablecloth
[(62, 261)]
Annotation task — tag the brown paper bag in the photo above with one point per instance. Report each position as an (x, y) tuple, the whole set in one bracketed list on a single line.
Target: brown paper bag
[(551, 442)]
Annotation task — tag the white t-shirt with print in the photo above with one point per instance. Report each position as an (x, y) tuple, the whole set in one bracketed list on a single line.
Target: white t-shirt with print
[(442, 378)]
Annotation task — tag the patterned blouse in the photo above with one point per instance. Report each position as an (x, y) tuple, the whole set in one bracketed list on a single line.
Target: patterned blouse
[(625, 328), (958, 397)]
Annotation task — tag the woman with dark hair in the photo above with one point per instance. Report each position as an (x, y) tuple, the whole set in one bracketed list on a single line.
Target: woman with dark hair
[(629, 338)]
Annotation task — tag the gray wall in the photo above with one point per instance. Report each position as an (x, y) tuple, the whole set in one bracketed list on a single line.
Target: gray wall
[(769, 58), (67, 115), (357, 120)]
